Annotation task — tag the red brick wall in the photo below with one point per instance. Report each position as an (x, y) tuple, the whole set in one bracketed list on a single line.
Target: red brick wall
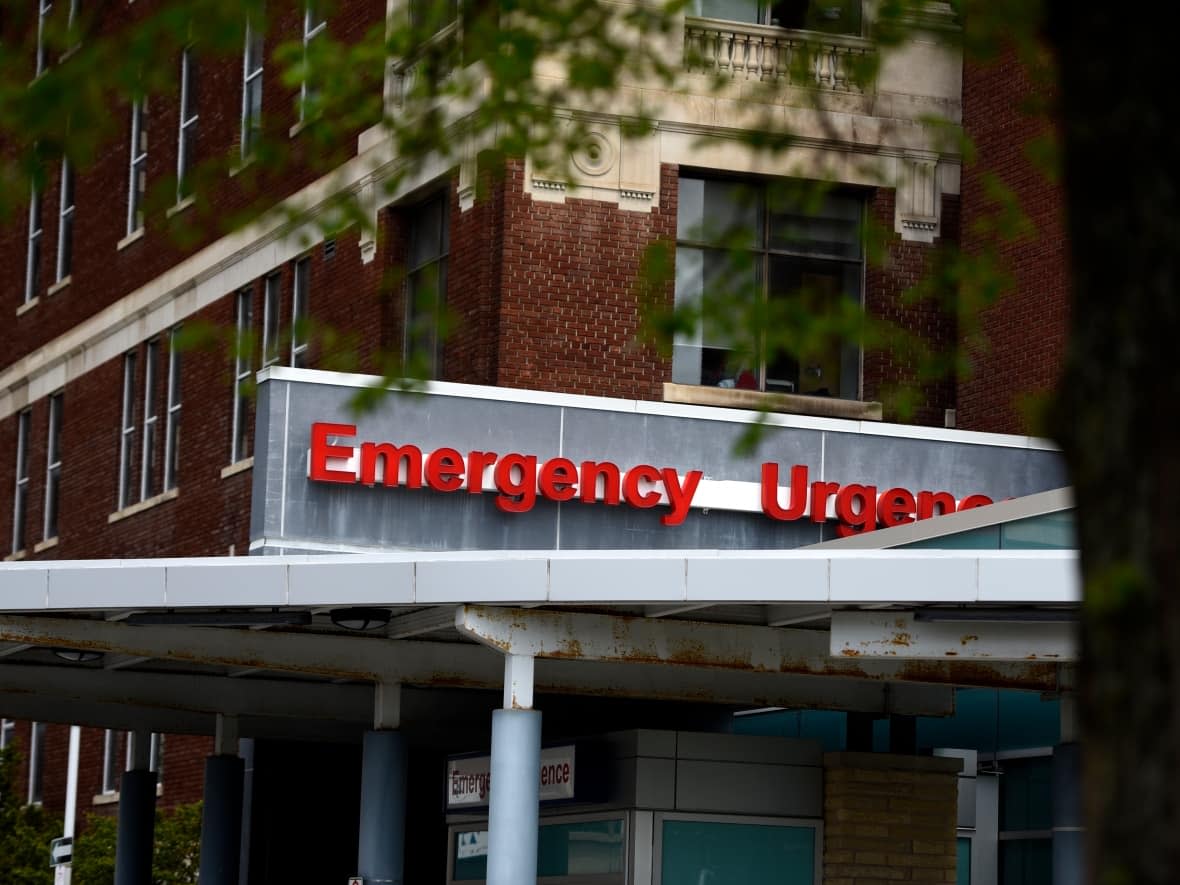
[(568, 314), (905, 265), (1024, 333)]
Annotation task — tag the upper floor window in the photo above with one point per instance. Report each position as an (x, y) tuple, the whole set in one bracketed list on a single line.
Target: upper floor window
[(20, 499), (53, 467), (36, 762), (243, 370), (65, 225), (186, 150), (44, 8), (172, 415), (33, 250), (300, 313), (251, 90), (315, 22), (150, 419), (127, 432), (110, 762), (426, 284), (137, 176), (755, 256), (7, 732), (832, 16)]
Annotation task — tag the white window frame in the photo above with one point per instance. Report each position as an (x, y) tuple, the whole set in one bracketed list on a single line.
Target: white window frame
[(312, 28), (20, 498), (301, 295), (137, 170), (243, 370), (251, 120), (172, 419), (7, 731), (155, 750), (52, 468), (440, 259), (188, 118), (65, 221), (33, 251), (36, 762), (44, 7), (150, 418), (127, 430), (271, 308), (110, 769)]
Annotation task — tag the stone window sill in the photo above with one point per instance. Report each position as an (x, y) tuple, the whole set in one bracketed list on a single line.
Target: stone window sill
[(246, 163), (113, 798), (136, 234), (790, 403), (141, 506), (59, 285), (47, 544), (188, 201), (237, 467), (15, 556), (28, 305)]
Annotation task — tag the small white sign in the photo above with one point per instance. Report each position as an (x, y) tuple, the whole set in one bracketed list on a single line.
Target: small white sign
[(473, 844), (469, 781)]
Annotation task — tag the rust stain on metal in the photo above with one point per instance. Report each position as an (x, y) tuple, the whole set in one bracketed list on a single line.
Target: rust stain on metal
[(850, 652), (968, 637), (567, 648), (902, 639)]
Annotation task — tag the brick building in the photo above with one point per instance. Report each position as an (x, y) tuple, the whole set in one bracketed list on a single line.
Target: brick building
[(119, 443)]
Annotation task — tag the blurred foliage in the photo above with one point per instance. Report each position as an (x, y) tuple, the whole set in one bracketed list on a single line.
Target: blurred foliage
[(176, 851), (25, 830)]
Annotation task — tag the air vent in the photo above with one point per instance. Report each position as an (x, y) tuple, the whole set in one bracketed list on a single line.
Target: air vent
[(329, 249)]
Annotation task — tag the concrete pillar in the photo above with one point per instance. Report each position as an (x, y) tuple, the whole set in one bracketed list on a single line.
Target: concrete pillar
[(381, 853), (221, 820), (514, 804), (136, 827), (1068, 830)]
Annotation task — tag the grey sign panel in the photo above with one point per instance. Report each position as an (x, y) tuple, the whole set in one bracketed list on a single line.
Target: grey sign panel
[(291, 513)]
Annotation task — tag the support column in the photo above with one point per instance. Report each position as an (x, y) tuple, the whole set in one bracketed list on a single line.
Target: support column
[(137, 815), (221, 810), (513, 808), (1068, 828), (381, 852)]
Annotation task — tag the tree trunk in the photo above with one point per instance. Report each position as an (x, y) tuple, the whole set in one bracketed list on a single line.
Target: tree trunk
[(1114, 419)]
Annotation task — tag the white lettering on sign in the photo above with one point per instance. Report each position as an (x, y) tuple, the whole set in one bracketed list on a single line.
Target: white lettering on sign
[(469, 780)]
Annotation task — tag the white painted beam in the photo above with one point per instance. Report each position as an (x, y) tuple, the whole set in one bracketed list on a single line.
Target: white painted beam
[(901, 635)]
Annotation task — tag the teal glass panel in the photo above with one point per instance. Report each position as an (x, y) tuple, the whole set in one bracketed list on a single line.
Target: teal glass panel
[(963, 862), (710, 853), (1026, 794), (1026, 862), (1024, 720), (471, 856), (984, 538), (584, 848), (1052, 531)]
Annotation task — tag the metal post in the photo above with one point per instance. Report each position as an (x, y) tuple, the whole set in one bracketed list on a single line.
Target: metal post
[(513, 808), (221, 820), (136, 828), (1068, 829), (381, 853)]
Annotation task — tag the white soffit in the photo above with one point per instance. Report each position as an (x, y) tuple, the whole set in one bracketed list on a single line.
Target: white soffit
[(500, 577)]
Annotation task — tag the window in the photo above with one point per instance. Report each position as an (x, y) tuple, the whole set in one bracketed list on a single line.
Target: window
[(53, 467), (146, 471), (110, 762), (172, 427), (20, 498), (299, 313), (251, 90), (137, 179), (44, 7), (721, 849), (127, 432), (155, 752), (65, 228), (832, 16), (36, 762), (426, 285), (775, 258), (243, 372), (314, 24), (270, 320), (186, 150), (586, 849), (1026, 821), (33, 253), (7, 732)]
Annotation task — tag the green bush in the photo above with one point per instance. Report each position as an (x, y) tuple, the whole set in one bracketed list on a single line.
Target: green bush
[(175, 855), (25, 830)]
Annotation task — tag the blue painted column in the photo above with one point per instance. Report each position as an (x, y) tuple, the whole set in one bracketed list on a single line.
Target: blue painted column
[(1068, 828), (381, 853), (221, 820), (136, 828), (514, 804)]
